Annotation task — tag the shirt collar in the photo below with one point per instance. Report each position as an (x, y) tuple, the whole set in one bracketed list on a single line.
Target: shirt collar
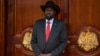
[(51, 20)]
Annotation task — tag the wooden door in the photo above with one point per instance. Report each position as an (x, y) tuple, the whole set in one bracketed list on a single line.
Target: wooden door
[(76, 14), (22, 14), (83, 16)]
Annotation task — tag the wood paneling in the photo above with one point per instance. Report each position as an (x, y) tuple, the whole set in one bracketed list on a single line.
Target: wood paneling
[(2, 38), (26, 13), (82, 13), (9, 27)]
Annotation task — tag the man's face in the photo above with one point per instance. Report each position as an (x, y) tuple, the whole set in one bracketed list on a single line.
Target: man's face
[(49, 13)]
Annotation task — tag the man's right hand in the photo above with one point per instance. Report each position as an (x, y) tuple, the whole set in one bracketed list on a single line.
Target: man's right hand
[(45, 55), (41, 55)]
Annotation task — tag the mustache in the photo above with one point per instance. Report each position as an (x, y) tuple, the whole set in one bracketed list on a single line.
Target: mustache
[(48, 13), (48, 18)]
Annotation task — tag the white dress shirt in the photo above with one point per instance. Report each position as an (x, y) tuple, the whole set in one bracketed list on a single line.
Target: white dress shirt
[(51, 22)]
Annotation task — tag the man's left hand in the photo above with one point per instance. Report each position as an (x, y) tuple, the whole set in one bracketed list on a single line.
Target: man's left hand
[(49, 54), (46, 54)]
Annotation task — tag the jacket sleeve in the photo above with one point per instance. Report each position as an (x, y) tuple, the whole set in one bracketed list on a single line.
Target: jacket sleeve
[(63, 42), (34, 40)]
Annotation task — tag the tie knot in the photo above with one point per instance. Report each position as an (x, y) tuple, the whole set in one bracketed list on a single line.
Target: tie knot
[(48, 22)]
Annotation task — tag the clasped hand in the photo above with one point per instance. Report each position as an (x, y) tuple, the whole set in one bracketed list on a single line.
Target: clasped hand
[(45, 54)]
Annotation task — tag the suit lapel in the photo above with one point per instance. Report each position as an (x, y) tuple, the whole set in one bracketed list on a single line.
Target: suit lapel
[(43, 30)]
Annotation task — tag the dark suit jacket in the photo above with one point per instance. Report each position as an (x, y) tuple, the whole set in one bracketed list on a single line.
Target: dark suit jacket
[(57, 40)]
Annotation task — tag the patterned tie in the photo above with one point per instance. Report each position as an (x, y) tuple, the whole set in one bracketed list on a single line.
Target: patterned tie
[(47, 31)]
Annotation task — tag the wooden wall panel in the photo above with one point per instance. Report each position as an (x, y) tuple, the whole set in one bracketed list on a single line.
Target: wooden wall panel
[(2, 27), (26, 13), (95, 14), (82, 13), (9, 31)]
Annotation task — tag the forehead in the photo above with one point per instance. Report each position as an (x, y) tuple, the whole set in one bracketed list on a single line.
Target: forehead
[(49, 8)]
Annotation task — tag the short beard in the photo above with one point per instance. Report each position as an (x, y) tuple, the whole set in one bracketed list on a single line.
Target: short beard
[(49, 18)]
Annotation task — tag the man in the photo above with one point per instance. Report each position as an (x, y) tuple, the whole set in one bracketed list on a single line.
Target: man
[(49, 34)]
